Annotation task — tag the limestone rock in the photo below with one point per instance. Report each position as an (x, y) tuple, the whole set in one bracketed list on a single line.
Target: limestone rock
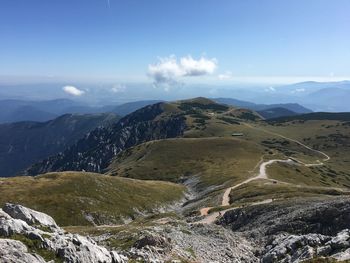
[(17, 219), (29, 216), (152, 241), (13, 251), (12, 226)]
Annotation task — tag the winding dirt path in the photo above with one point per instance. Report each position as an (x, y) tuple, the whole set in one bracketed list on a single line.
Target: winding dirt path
[(327, 157), (211, 218)]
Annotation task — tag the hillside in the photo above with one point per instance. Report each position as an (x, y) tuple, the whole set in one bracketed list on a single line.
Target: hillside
[(207, 161), (24, 143), (190, 118), (87, 198)]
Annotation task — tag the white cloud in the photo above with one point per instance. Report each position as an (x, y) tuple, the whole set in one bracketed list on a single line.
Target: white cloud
[(73, 91), (119, 88), (202, 66), (169, 71), (225, 76), (270, 89)]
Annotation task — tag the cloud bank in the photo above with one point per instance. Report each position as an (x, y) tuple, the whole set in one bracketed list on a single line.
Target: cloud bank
[(169, 71), (71, 90)]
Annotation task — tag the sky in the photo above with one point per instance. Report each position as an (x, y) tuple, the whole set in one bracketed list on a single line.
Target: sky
[(175, 42)]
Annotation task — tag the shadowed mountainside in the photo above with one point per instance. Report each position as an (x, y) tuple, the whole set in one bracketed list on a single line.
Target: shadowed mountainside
[(24, 143)]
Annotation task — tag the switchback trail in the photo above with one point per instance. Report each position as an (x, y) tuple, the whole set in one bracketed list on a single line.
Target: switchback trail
[(211, 218)]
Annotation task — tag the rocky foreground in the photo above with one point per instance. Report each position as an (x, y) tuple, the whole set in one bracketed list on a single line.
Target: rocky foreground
[(285, 231), (31, 236)]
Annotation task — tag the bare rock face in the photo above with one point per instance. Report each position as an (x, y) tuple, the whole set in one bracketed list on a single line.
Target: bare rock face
[(29, 216), (18, 221), (13, 251), (295, 231), (296, 248), (10, 226)]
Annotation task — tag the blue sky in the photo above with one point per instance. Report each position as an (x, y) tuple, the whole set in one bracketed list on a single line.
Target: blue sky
[(252, 41)]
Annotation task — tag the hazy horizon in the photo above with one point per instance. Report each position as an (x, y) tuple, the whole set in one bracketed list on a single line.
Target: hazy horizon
[(174, 44)]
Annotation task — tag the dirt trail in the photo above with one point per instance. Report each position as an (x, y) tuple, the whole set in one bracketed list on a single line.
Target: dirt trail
[(327, 157), (211, 218)]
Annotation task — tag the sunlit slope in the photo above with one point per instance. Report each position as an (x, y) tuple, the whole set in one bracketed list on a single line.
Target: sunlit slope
[(212, 161), (74, 198), (329, 136)]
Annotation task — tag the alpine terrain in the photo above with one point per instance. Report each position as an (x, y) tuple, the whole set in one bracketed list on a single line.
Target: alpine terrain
[(186, 181)]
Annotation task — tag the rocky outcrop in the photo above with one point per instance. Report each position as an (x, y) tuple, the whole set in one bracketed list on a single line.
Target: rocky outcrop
[(13, 251), (41, 232), (296, 248), (326, 217), (179, 242), (293, 231), (29, 216), (94, 152)]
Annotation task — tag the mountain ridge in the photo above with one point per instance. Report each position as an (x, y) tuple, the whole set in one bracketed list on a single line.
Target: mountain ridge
[(142, 125)]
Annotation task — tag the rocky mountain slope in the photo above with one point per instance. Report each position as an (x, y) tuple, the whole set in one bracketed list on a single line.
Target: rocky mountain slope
[(24, 143), (94, 152), (158, 121)]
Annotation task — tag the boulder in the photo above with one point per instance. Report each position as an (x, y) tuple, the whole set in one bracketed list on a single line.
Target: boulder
[(29, 216), (76, 248), (17, 219), (152, 241)]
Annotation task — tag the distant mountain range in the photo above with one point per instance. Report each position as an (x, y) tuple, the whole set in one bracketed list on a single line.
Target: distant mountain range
[(317, 96), (268, 111), (20, 110), (292, 107), (23, 143)]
